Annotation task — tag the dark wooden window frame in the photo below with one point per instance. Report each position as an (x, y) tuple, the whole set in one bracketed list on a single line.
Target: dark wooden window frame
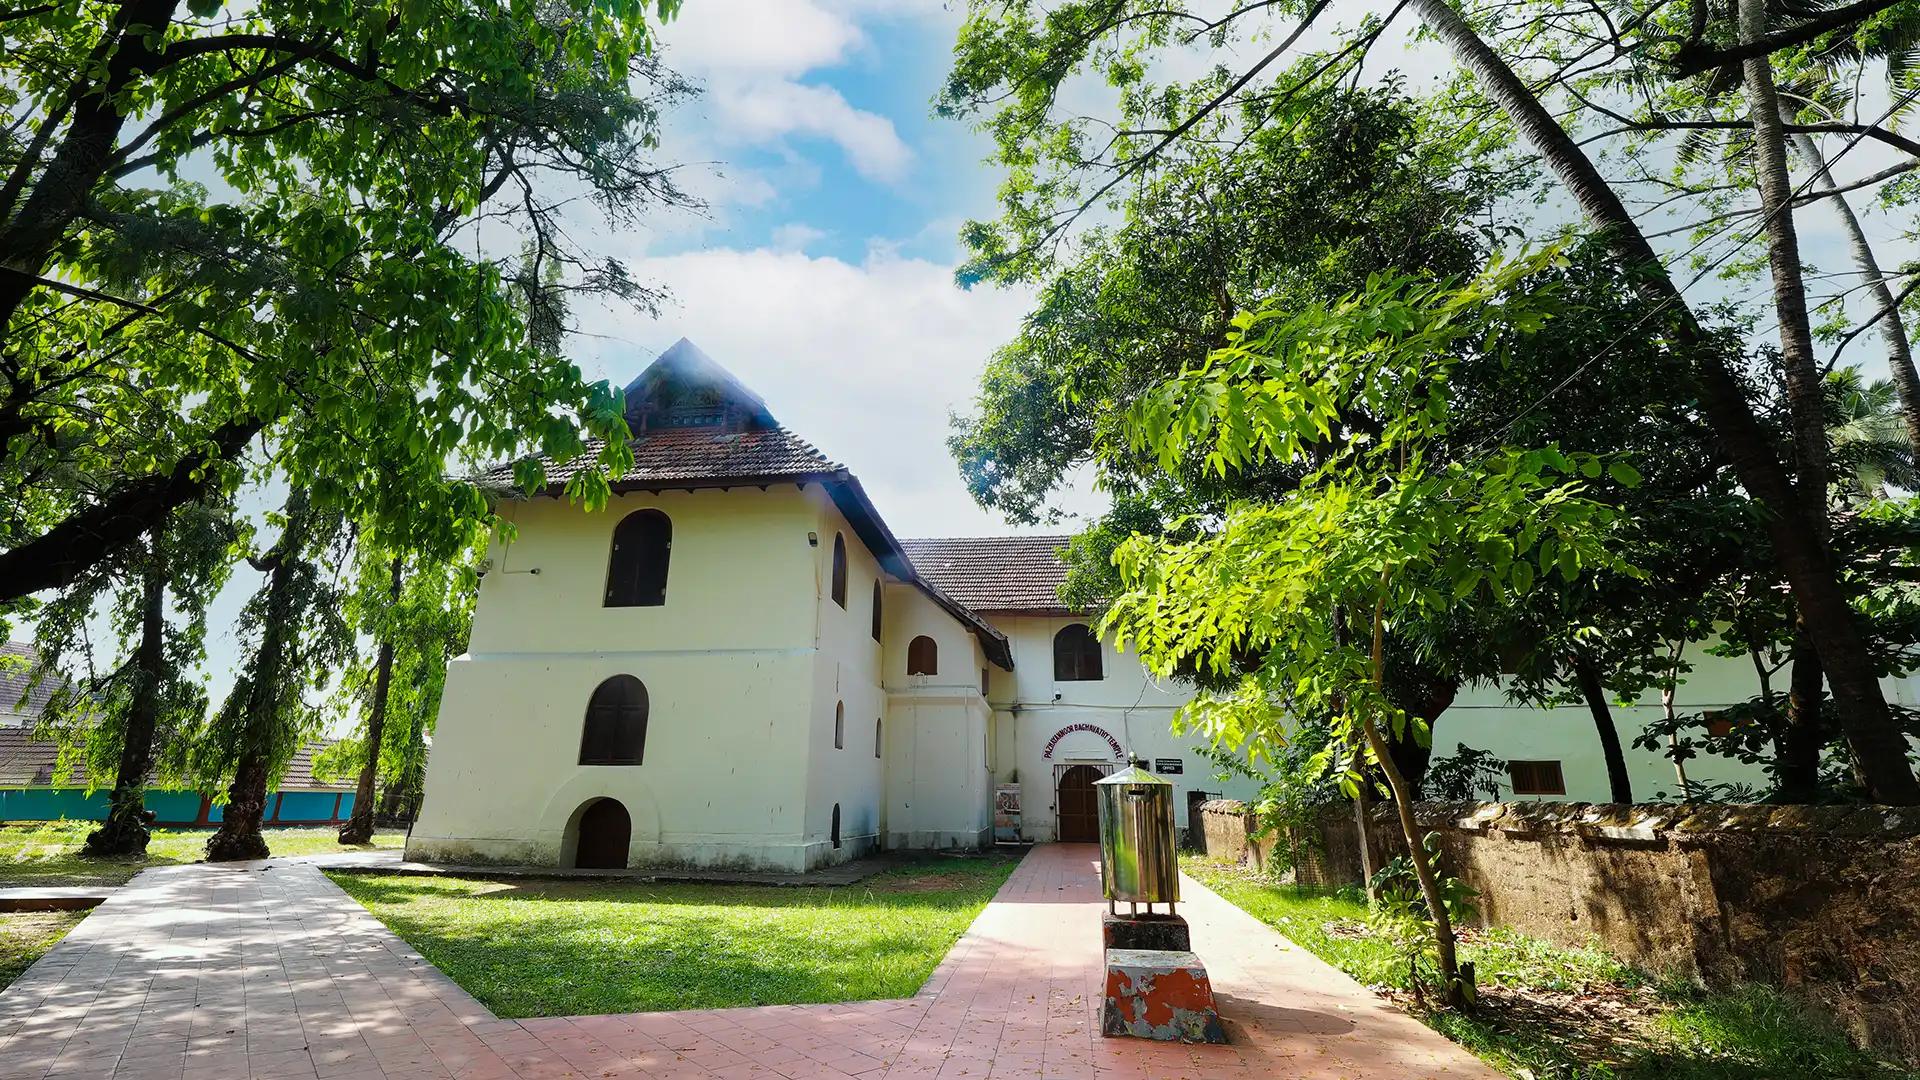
[(923, 660), (638, 560), (839, 587), (1076, 654), (1539, 777), (615, 729)]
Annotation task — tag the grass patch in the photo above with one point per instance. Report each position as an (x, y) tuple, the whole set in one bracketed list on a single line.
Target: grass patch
[(561, 948), (25, 936), (1567, 1013), (48, 852)]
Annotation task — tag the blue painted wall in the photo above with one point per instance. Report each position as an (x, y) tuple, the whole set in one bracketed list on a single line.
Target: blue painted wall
[(170, 807)]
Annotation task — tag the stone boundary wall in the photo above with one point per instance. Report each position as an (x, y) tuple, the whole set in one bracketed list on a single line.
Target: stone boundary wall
[(1822, 901)]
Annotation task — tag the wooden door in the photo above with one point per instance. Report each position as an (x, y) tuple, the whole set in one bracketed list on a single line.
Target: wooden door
[(1076, 815), (605, 831)]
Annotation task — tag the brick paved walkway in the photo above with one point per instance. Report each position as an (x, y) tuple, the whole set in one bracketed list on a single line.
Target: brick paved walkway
[(220, 973)]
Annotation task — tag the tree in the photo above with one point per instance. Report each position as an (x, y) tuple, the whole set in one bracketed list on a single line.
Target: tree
[(128, 721), (324, 290), (1797, 514), (1011, 60), (298, 637), (1391, 529), (418, 612)]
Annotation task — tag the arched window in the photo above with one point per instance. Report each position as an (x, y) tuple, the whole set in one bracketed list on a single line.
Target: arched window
[(923, 656), (876, 609), (616, 728), (836, 825), (839, 725), (1076, 654), (876, 738), (637, 567), (840, 570)]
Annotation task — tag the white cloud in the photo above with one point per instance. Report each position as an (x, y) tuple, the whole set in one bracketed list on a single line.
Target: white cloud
[(865, 360), (796, 236), (750, 56), (765, 112), (784, 38)]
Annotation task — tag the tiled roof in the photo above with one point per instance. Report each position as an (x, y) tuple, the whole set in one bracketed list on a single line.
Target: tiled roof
[(995, 573), (16, 672), (28, 762), (693, 454)]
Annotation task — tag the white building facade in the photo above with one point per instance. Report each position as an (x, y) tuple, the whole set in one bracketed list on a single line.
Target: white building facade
[(737, 664)]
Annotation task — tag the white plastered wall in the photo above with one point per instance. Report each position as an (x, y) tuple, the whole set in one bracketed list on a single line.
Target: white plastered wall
[(846, 671), (729, 662), (937, 739)]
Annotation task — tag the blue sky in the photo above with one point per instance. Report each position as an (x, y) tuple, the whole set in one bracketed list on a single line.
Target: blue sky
[(822, 272)]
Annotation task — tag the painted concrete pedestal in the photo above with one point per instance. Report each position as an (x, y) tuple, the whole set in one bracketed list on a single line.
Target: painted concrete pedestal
[(1159, 994)]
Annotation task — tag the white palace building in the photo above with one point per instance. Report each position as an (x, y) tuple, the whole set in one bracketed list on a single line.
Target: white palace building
[(737, 664)]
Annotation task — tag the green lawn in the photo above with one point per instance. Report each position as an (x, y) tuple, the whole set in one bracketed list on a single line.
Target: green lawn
[(560, 948), (1577, 1014), (48, 852), (26, 935)]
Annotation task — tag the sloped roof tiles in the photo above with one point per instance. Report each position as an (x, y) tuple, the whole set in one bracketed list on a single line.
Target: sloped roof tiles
[(995, 574)]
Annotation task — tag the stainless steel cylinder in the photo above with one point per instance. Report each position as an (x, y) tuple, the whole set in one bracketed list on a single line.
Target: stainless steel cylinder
[(1138, 858)]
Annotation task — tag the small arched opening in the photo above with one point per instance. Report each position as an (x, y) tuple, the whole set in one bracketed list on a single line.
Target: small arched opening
[(602, 836), (835, 835), (923, 656)]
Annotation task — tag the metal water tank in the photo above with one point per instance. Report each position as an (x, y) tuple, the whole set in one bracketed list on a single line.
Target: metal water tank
[(1138, 858)]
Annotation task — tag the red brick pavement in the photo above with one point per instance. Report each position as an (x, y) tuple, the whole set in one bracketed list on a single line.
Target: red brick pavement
[(208, 973)]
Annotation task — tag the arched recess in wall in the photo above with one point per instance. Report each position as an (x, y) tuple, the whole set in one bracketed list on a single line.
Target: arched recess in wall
[(615, 732), (1076, 654), (637, 563), (839, 725), (876, 610), (877, 743), (923, 656), (835, 836), (840, 570)]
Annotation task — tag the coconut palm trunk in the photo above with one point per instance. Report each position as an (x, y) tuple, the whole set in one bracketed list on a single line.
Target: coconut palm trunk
[(125, 832), (1879, 750), (359, 827), (1886, 309)]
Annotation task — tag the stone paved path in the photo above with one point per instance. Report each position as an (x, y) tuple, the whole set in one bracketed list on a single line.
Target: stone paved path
[(267, 970)]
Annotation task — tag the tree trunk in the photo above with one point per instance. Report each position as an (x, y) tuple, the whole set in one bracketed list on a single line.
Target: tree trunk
[(124, 832), (1455, 989), (1619, 786), (239, 834), (1806, 399), (1409, 753), (359, 827), (56, 557), (1878, 748), (64, 189), (1798, 769), (1893, 329)]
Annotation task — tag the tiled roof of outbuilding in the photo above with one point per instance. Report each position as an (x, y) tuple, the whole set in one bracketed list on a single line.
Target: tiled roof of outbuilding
[(18, 692), (995, 573), (28, 762)]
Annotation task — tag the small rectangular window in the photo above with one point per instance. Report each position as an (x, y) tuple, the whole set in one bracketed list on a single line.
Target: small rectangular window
[(1536, 778), (983, 682)]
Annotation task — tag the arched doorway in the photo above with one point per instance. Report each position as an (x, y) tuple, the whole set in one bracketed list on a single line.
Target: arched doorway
[(1076, 815), (605, 831)]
